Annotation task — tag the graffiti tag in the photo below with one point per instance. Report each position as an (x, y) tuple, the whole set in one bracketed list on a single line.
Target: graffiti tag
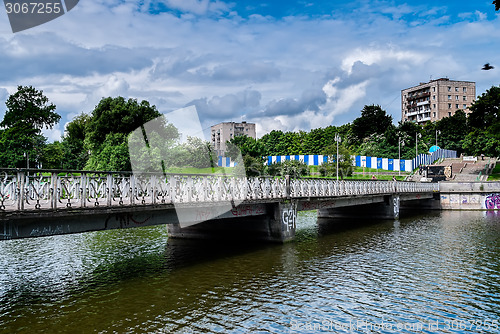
[(46, 231), (289, 218), (396, 206), (492, 202)]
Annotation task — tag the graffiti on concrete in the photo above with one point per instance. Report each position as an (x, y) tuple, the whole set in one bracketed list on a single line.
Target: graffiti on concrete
[(125, 220), (48, 230), (492, 202), (289, 217), (396, 206)]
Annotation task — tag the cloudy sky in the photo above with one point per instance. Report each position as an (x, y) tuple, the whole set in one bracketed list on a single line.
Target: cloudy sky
[(289, 65)]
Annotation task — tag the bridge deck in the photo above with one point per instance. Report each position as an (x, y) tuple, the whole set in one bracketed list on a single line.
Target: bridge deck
[(26, 192)]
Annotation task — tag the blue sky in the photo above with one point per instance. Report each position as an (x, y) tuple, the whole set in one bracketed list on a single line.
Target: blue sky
[(289, 65)]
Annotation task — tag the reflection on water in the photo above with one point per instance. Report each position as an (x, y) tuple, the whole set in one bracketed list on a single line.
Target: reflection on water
[(429, 269)]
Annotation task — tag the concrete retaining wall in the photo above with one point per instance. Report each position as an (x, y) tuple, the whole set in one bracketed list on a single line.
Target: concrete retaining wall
[(470, 195)]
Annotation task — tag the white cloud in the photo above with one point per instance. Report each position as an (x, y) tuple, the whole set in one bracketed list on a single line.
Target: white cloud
[(292, 73)]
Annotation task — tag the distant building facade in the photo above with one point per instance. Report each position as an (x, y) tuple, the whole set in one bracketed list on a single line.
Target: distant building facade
[(436, 99), (223, 132)]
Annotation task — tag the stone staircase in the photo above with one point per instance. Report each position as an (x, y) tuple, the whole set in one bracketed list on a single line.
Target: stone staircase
[(464, 171)]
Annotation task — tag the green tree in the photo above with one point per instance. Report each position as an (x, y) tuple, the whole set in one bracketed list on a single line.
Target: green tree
[(117, 115), (497, 4), (200, 153), (29, 107), (73, 143), (246, 145), (409, 132), (18, 146), (485, 111), (480, 142), (112, 154), (274, 143), (345, 161), (294, 168), (107, 130), (373, 120), (28, 112), (53, 155), (453, 131)]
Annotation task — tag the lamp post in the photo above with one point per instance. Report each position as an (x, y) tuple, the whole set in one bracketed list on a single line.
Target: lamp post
[(26, 155), (401, 143), (338, 140), (438, 132), (417, 135)]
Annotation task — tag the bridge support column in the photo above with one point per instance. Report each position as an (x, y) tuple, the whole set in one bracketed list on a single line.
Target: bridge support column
[(284, 222), (276, 224), (386, 207)]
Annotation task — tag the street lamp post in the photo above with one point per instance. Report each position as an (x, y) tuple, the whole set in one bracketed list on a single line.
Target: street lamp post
[(26, 155), (338, 140), (417, 135), (401, 143), (438, 132)]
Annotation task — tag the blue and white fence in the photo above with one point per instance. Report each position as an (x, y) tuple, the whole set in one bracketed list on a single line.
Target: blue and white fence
[(384, 163), (359, 160), (310, 160), (427, 159), (226, 162)]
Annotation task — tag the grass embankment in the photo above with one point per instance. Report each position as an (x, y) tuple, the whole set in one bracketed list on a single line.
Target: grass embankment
[(366, 174), (495, 174)]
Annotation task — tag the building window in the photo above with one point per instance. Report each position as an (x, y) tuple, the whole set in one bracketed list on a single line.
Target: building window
[(456, 89), (456, 106), (434, 97), (449, 88), (449, 97), (449, 113), (456, 97), (465, 98), (465, 89), (465, 106), (434, 89), (449, 105), (434, 106), (434, 114)]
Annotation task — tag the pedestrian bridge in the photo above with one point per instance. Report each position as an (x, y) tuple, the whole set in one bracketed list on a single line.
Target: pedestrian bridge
[(35, 203)]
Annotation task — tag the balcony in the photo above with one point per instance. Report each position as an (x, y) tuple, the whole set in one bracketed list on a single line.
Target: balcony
[(412, 113), (419, 96)]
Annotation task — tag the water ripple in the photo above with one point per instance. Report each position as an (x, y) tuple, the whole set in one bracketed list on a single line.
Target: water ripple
[(440, 268)]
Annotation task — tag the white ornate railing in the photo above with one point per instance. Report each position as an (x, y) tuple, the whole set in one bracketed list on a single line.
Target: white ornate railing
[(23, 190)]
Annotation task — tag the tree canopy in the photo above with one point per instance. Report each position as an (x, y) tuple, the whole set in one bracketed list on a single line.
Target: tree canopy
[(21, 140), (373, 121), (28, 107)]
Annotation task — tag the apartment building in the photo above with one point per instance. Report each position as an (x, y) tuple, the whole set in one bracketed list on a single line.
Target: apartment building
[(436, 99), (223, 132)]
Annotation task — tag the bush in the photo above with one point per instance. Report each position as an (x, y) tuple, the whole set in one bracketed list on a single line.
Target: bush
[(253, 167), (294, 168), (330, 169)]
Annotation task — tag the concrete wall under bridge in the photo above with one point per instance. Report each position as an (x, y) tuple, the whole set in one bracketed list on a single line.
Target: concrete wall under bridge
[(252, 220)]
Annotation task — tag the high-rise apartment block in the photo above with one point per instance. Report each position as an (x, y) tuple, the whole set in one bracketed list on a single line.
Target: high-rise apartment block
[(223, 132), (436, 99)]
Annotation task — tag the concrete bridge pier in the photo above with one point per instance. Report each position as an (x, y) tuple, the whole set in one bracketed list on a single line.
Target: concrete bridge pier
[(379, 207), (277, 223)]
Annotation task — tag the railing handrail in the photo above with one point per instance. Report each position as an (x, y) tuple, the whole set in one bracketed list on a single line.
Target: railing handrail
[(23, 192)]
